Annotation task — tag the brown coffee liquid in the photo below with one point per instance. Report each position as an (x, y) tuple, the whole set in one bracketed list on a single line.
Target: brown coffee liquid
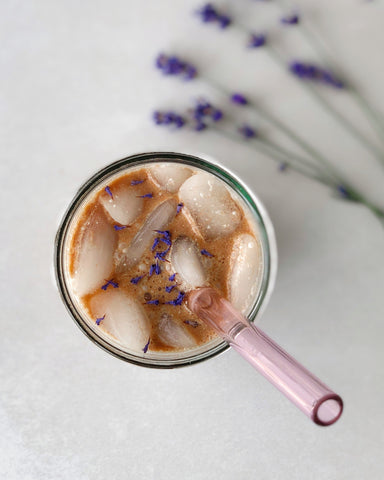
[(151, 288)]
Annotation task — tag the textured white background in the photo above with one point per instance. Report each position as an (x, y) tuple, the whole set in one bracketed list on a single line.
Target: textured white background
[(78, 86)]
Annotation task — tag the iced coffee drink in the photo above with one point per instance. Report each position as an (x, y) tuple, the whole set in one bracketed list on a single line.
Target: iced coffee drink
[(130, 239)]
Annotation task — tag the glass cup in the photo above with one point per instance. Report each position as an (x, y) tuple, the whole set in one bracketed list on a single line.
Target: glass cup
[(251, 204)]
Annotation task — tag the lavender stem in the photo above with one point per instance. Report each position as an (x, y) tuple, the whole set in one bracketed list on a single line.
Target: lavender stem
[(332, 173)]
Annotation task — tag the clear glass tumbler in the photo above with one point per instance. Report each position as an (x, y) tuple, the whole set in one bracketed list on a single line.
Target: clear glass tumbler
[(251, 204)]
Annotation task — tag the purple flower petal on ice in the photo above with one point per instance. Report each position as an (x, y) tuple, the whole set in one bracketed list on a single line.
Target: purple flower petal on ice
[(155, 243), (109, 282), (172, 277), (108, 190), (152, 269), (145, 349), (120, 227), (178, 301), (137, 182), (209, 14), (136, 280), (179, 207), (98, 320), (147, 195), (161, 255), (169, 288), (206, 253), (166, 233), (157, 269), (153, 302)]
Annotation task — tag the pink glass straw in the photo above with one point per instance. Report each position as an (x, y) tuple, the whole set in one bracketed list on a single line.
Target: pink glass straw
[(306, 391)]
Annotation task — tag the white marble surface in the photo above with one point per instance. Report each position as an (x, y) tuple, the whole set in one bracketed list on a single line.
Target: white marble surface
[(77, 90)]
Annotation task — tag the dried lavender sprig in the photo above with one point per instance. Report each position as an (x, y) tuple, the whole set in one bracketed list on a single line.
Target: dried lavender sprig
[(326, 105), (350, 194), (355, 132), (373, 116), (330, 170)]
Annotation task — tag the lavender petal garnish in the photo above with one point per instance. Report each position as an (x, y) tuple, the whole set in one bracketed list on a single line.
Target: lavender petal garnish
[(166, 233), (145, 349), (172, 277), (152, 269), (147, 195), (137, 182), (157, 269), (170, 288), (136, 280), (179, 207), (108, 190), (155, 243), (98, 320), (192, 323), (178, 301), (120, 227), (206, 253), (153, 302), (109, 282)]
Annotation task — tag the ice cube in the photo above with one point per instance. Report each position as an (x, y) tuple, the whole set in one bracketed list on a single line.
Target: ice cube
[(169, 176), (124, 318), (127, 256), (245, 264), (173, 334), (125, 206), (186, 262), (210, 204), (94, 253)]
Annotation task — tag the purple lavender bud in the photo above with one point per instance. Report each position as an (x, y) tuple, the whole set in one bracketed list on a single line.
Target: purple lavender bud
[(166, 233), (247, 132), (179, 207), (109, 282), (257, 40), (292, 19), (157, 269), (172, 277), (145, 349), (170, 288), (239, 99), (224, 21), (108, 190), (178, 301), (137, 182), (152, 302), (155, 243), (217, 115), (136, 280), (98, 320), (172, 65), (158, 117), (206, 253), (307, 71), (161, 256), (119, 227), (152, 269), (147, 195)]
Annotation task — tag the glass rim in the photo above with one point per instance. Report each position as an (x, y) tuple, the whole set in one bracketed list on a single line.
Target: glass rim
[(258, 210)]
